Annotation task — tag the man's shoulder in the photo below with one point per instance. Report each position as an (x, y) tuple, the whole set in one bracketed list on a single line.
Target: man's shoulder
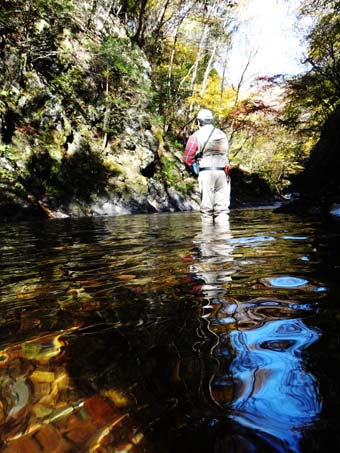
[(193, 137), (219, 132)]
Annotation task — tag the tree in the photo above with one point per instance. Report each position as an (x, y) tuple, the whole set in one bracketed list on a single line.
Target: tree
[(314, 95)]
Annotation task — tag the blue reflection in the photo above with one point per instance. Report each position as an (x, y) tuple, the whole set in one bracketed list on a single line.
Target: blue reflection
[(305, 258), (300, 238), (266, 386), (274, 392), (287, 282), (252, 239)]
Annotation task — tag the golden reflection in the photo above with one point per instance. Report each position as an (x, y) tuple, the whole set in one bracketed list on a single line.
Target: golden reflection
[(41, 409)]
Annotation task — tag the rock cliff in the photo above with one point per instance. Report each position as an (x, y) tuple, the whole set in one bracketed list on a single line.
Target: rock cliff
[(318, 184), (79, 135)]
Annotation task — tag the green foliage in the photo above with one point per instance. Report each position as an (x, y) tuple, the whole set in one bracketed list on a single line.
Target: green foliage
[(121, 79), (315, 95), (169, 170), (117, 58), (220, 101)]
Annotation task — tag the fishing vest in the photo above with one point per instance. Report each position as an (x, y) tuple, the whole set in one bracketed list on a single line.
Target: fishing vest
[(211, 141)]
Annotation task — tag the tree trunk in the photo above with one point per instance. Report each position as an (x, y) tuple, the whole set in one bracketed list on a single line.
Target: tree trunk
[(106, 121), (209, 67), (139, 36), (92, 13)]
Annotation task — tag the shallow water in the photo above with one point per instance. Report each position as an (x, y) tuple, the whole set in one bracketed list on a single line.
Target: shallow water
[(155, 334)]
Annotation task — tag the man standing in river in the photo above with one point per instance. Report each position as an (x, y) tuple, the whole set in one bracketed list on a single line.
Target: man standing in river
[(206, 155)]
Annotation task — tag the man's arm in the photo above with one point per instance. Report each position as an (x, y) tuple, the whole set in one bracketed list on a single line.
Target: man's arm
[(190, 151)]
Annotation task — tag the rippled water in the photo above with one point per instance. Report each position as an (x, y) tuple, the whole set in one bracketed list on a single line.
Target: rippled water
[(156, 334)]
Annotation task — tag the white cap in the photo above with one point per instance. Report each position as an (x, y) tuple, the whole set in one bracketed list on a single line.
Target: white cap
[(205, 114)]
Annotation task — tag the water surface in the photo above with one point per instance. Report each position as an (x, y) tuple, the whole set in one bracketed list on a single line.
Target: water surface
[(155, 334)]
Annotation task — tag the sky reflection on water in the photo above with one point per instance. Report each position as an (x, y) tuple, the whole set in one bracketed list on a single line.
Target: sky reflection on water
[(275, 394)]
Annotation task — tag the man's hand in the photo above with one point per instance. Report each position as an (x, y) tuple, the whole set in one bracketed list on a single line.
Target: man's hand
[(227, 170)]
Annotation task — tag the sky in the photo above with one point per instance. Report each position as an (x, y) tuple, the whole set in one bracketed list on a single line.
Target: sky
[(268, 27)]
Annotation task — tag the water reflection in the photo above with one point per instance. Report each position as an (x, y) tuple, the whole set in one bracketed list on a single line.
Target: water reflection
[(213, 263), (155, 334), (266, 386), (274, 393)]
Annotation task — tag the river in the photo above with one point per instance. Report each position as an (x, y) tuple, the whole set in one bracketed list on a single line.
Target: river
[(155, 334)]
